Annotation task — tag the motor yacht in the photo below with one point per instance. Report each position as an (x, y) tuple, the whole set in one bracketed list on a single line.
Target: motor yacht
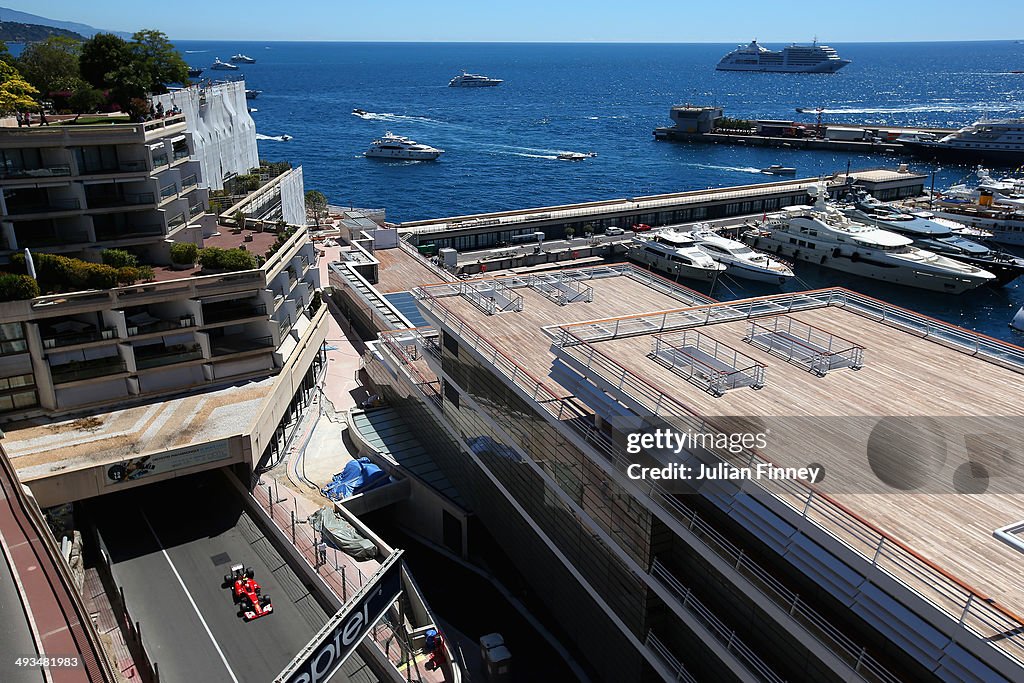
[(1000, 140), (468, 80), (808, 59), (252, 94), (822, 234), (223, 66), (778, 169), (194, 72), (391, 146), (927, 233), (740, 260), (242, 59), (674, 253)]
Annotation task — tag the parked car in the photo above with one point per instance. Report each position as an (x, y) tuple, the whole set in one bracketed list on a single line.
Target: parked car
[(614, 230), (641, 227)]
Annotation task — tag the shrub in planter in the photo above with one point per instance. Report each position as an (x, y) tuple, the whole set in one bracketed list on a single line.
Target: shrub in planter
[(210, 258), (119, 258), (93, 276), (17, 287), (237, 259), (184, 253), (127, 276)]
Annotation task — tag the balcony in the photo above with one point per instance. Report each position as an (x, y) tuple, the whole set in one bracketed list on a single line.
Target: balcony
[(40, 172), (123, 232), (168, 191), (160, 160), (64, 238), (232, 310), (180, 154), (189, 182), (143, 323), (47, 206), (239, 343), (158, 355), (72, 333), (86, 369), (126, 199)]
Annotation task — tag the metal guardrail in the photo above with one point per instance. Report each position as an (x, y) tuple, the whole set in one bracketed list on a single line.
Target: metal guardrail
[(997, 626), (39, 172), (670, 661), (72, 372)]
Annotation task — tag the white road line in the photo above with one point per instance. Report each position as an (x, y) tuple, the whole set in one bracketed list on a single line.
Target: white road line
[(189, 596)]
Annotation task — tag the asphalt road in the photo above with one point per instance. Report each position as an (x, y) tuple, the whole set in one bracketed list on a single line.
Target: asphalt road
[(171, 544), (15, 634)]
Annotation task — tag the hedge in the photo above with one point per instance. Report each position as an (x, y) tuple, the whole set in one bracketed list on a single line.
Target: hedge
[(215, 258), (119, 258), (17, 287), (184, 253), (62, 274)]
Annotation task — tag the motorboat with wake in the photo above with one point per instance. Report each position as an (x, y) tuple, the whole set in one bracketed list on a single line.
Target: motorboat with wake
[(823, 235), (778, 169), (932, 235), (740, 260), (391, 146), (675, 253), (575, 156)]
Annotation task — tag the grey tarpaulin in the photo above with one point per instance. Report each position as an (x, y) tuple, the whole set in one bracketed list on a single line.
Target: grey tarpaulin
[(342, 534)]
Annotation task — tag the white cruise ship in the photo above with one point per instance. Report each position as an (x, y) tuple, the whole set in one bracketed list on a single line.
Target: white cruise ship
[(825, 236), (991, 141), (674, 253), (467, 80), (805, 59), (391, 146)]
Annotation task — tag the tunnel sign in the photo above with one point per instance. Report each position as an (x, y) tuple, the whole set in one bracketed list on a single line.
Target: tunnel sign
[(327, 651)]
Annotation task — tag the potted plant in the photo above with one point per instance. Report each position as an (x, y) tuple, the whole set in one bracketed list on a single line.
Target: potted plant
[(183, 255)]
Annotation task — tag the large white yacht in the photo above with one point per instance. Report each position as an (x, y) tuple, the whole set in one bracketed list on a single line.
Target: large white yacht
[(1004, 225), (739, 259), (808, 59), (822, 235), (242, 59), (991, 141), (391, 146), (674, 253), (468, 80), (223, 66)]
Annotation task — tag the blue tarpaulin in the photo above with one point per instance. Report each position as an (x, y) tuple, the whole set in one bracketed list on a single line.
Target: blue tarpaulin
[(358, 476)]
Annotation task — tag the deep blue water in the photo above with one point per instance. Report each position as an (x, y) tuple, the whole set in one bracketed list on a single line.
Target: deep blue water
[(605, 98)]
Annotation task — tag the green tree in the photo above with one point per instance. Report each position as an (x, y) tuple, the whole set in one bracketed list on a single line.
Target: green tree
[(16, 94), (154, 55), (102, 55), (316, 205), (51, 65), (86, 99), (5, 54)]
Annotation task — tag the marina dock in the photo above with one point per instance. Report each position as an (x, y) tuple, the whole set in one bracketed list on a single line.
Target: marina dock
[(708, 125)]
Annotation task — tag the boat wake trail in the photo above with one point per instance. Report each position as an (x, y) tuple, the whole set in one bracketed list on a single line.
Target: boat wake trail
[(194, 52), (395, 118), (735, 169), (943, 107), (531, 156), (275, 138)]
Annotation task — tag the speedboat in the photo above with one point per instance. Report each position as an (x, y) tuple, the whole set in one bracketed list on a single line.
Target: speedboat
[(223, 66), (286, 137), (675, 253), (928, 233), (359, 112), (391, 146), (242, 59), (252, 94), (823, 235), (468, 80), (739, 259), (778, 169), (194, 72)]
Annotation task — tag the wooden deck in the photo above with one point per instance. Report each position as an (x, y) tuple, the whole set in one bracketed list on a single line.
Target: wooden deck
[(829, 420), (399, 271)]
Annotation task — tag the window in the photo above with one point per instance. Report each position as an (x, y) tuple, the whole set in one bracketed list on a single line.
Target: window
[(96, 159), (451, 394), (450, 343)]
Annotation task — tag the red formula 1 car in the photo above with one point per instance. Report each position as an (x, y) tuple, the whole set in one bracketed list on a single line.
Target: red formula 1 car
[(246, 593)]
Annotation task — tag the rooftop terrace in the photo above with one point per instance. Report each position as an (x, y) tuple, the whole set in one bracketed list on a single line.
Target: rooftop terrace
[(940, 545)]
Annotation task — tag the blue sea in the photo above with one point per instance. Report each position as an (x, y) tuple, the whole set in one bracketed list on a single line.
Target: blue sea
[(607, 98)]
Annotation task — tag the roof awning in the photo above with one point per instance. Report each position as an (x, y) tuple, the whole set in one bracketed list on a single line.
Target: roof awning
[(177, 138)]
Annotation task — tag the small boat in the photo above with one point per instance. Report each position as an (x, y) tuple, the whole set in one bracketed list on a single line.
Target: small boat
[(1018, 320), (194, 72), (576, 156), (252, 94), (243, 59), (778, 169), (359, 112), (286, 137), (223, 66)]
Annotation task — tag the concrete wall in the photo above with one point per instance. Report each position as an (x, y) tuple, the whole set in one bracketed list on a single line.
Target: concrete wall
[(223, 133)]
